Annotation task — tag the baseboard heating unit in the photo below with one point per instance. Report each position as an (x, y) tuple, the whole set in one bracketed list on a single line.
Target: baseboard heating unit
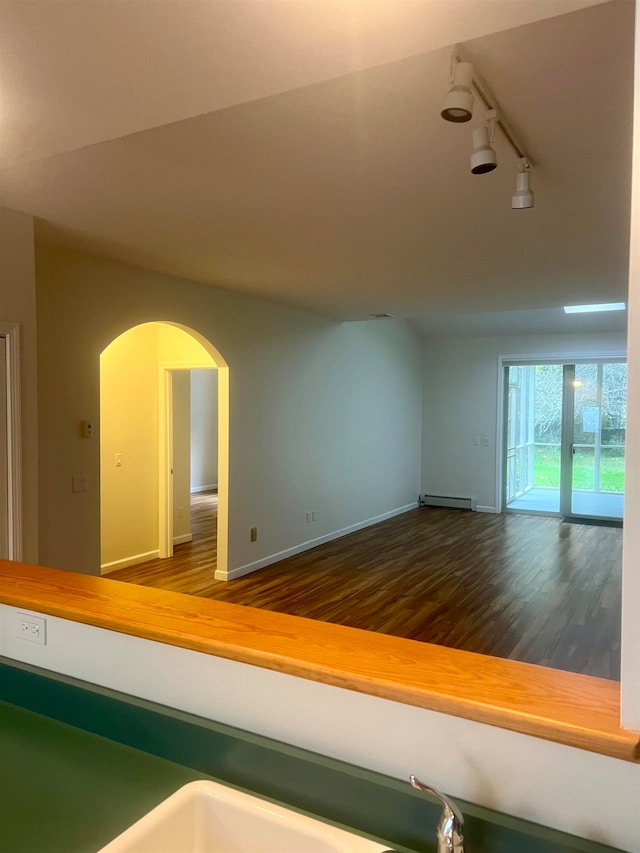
[(447, 501)]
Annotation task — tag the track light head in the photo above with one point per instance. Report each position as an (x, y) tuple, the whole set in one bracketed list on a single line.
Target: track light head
[(484, 158), (458, 103), (523, 197)]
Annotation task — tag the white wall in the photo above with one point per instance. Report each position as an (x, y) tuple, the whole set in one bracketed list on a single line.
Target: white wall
[(460, 403), (204, 429), (630, 691), (18, 305), (323, 416)]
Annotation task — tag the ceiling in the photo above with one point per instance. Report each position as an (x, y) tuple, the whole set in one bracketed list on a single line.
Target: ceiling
[(294, 150)]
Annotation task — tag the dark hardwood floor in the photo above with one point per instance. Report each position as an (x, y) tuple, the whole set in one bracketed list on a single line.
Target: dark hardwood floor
[(529, 588)]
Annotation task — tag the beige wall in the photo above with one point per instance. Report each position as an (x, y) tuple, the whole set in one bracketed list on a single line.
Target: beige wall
[(323, 416), (18, 305)]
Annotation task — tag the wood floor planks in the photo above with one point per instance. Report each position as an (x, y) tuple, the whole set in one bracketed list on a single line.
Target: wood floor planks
[(528, 588)]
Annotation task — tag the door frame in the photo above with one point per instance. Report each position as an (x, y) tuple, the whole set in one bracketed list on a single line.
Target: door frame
[(11, 333), (504, 361), (566, 438), (165, 458)]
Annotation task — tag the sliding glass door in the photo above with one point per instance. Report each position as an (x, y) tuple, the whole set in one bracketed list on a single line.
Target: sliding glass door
[(598, 396), (564, 436), (533, 437)]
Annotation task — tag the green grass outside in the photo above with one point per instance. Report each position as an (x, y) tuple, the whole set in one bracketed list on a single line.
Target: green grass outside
[(546, 469)]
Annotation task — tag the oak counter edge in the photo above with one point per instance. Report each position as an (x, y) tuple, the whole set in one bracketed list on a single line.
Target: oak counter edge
[(566, 708)]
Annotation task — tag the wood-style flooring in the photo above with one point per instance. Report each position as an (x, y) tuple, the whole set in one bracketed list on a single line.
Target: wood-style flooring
[(529, 588)]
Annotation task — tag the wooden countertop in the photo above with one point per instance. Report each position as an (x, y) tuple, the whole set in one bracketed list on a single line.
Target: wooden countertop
[(576, 710)]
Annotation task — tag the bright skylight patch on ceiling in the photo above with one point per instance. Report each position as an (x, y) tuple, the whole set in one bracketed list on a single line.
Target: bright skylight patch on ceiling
[(592, 309)]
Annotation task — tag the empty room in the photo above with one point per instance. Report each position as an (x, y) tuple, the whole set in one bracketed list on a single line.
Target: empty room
[(318, 384)]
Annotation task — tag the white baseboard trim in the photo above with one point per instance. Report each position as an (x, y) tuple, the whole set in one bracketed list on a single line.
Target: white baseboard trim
[(211, 487), (180, 540), (105, 568), (240, 571), (486, 509)]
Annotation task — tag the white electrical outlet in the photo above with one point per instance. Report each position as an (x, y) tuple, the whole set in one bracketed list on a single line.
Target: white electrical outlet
[(32, 628)]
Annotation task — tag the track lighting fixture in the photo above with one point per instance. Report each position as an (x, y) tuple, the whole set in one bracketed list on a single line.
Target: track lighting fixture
[(484, 158), (458, 103), (523, 196), (458, 107)]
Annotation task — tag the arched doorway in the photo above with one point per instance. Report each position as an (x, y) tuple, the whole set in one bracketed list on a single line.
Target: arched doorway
[(137, 371)]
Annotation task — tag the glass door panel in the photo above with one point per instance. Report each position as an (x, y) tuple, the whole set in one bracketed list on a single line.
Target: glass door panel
[(599, 428), (533, 437), (613, 430), (564, 438)]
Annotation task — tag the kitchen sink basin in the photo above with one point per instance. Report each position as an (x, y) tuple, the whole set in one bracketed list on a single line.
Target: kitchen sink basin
[(207, 817)]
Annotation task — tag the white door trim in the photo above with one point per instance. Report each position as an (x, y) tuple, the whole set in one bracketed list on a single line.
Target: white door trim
[(11, 332), (165, 458), (165, 462)]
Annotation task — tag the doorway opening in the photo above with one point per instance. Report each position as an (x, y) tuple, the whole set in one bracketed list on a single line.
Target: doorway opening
[(564, 438), (145, 440)]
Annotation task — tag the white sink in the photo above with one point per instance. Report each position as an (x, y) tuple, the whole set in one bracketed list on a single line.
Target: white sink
[(205, 817)]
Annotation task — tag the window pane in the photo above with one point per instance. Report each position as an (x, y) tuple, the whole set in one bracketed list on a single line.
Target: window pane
[(612, 469), (584, 468)]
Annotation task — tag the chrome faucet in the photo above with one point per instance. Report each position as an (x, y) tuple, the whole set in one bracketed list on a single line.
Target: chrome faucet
[(450, 838)]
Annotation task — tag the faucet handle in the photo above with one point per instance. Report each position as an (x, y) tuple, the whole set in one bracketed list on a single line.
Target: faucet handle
[(450, 836)]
